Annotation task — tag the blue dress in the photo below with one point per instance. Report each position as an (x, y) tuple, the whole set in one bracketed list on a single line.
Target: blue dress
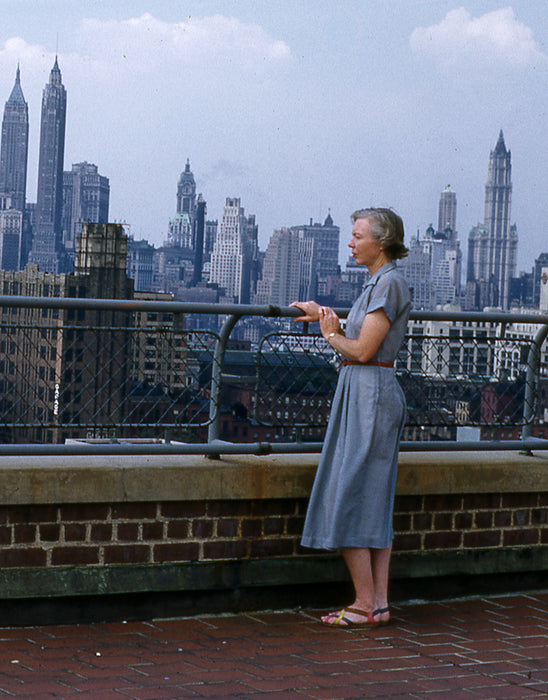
[(351, 503)]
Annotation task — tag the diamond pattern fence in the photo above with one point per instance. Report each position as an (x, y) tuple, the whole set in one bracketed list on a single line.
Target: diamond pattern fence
[(448, 382), (61, 380), (68, 378)]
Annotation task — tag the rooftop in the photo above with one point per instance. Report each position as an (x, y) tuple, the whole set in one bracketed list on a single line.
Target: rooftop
[(484, 647)]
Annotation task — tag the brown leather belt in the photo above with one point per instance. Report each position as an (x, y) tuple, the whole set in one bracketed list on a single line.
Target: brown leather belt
[(375, 363)]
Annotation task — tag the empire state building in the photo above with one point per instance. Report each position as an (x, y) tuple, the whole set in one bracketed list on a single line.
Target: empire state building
[(492, 246), (47, 248)]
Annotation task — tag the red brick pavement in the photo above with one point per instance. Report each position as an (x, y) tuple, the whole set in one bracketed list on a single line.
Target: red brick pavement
[(493, 647)]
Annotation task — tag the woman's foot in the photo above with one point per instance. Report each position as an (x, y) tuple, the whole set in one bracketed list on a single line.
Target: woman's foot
[(382, 615), (354, 617)]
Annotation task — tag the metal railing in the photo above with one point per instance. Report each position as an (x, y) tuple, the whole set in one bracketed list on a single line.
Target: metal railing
[(97, 376)]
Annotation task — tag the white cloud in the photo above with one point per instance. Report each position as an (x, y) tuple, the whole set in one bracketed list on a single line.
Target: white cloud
[(494, 35), (146, 42), (32, 56)]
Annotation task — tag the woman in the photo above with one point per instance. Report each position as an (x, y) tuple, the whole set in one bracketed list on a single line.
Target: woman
[(352, 498)]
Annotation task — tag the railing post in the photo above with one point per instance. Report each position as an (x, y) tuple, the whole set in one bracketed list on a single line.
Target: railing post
[(531, 385), (216, 379)]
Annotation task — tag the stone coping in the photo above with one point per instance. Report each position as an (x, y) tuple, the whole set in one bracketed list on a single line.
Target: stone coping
[(100, 479)]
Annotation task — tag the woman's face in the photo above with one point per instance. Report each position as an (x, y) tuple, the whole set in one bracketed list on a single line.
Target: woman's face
[(365, 249)]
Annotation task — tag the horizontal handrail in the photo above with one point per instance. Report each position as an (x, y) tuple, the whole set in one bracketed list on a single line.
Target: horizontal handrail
[(232, 314), (268, 310), (220, 447)]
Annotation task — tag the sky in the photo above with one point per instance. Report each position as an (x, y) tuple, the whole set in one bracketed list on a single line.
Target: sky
[(297, 107)]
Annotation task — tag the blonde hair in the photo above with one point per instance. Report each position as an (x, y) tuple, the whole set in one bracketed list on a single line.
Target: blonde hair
[(386, 229)]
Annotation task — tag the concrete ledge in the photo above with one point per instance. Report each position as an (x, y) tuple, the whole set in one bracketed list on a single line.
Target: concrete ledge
[(75, 479), (24, 583)]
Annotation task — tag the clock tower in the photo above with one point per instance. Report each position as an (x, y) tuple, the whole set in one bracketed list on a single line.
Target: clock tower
[(186, 192), (181, 227)]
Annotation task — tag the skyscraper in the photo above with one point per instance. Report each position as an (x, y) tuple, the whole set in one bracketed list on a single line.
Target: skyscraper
[(14, 147), (281, 270), (47, 248), (433, 266), (234, 256), (319, 256), (447, 210), (85, 198), (13, 177), (492, 248)]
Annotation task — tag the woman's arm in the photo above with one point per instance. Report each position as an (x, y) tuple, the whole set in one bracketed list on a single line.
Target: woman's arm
[(363, 348)]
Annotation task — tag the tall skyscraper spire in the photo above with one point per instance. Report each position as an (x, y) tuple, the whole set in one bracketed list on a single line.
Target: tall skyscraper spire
[(47, 248), (492, 248), (14, 147)]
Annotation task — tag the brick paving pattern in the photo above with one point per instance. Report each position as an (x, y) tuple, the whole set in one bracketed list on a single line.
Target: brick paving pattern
[(492, 647)]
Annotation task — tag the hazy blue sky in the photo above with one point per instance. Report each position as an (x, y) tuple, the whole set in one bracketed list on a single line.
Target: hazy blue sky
[(295, 106)]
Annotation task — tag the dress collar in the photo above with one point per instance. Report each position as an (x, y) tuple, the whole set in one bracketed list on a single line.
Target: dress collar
[(381, 271)]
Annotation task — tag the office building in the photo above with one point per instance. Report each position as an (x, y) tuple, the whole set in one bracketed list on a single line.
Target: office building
[(539, 280), (210, 236), (319, 256), (47, 249), (492, 246), (11, 227), (234, 260), (301, 262), (433, 265), (64, 368), (140, 264), (279, 284), (184, 259), (447, 210), (417, 270), (85, 198)]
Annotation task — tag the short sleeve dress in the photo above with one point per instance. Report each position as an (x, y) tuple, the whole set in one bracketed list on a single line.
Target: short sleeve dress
[(351, 504)]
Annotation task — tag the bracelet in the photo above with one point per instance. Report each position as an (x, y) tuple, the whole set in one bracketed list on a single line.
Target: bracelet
[(331, 335)]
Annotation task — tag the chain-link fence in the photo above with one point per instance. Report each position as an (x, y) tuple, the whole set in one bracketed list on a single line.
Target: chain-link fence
[(83, 373)]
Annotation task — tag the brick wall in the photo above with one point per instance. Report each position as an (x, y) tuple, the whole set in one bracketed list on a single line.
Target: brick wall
[(470, 521), (99, 534)]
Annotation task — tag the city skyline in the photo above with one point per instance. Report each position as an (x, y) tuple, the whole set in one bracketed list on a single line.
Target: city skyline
[(263, 114), (83, 195)]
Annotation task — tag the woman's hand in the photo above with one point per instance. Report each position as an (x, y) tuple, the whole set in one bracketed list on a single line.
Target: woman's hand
[(310, 309), (329, 321)]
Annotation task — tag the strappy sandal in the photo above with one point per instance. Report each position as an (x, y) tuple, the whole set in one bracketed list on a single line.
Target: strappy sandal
[(381, 611), (342, 622)]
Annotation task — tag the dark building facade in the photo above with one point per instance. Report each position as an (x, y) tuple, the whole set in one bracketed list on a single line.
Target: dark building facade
[(47, 248), (62, 369), (140, 264)]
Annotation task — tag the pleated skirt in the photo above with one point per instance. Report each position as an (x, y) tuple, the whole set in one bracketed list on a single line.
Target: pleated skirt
[(352, 500)]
